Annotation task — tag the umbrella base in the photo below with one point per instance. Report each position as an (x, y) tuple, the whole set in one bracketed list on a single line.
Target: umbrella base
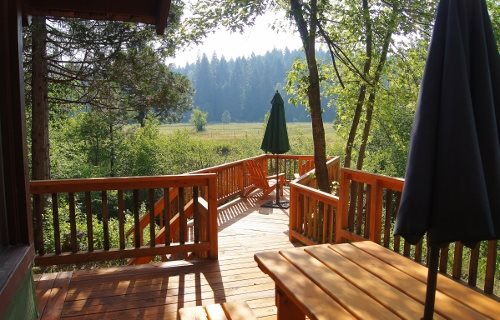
[(274, 204)]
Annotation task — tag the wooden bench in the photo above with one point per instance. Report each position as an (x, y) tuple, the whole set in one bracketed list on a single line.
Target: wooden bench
[(226, 311)]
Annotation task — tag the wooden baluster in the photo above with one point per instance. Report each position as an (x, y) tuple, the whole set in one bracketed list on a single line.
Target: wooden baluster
[(55, 219), (325, 222), (121, 219), (331, 217), (72, 222), (443, 259), (418, 251), (352, 206), (196, 215), (358, 222), (38, 225), (151, 206), (388, 216), (292, 212), (367, 212), (105, 218), (135, 209), (182, 217), (316, 213), (491, 259), (90, 226), (166, 214), (407, 249), (309, 217), (301, 215), (375, 214), (397, 239), (457, 260), (474, 258)]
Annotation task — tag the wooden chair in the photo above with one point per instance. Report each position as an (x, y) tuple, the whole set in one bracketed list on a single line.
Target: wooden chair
[(304, 167), (259, 179)]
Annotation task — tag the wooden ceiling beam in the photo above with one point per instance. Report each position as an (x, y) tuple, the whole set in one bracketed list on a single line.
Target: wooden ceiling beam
[(146, 11)]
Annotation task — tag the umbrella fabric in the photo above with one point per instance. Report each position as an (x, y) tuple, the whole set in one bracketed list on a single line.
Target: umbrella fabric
[(276, 136), (452, 186)]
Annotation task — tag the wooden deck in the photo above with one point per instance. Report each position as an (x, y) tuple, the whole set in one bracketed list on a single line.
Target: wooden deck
[(157, 291)]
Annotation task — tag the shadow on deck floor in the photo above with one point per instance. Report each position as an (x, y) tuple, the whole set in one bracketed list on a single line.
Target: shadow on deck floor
[(157, 291)]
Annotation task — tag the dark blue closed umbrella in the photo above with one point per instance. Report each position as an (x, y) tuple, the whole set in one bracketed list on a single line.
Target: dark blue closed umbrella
[(452, 185)]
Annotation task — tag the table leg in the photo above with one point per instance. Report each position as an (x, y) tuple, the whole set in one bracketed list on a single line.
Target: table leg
[(287, 310)]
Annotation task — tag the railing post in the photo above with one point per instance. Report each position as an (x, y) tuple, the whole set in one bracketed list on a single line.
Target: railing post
[(292, 211), (375, 212), (212, 218), (341, 221)]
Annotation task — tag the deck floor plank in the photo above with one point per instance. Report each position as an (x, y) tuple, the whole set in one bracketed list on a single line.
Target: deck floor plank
[(157, 291)]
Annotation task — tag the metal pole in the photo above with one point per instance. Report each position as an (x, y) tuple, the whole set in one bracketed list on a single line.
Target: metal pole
[(430, 294), (277, 183)]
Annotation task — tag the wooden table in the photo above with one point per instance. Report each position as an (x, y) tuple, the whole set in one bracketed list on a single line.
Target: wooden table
[(363, 280)]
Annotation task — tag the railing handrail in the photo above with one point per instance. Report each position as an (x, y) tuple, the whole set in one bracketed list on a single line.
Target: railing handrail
[(118, 183), (394, 183)]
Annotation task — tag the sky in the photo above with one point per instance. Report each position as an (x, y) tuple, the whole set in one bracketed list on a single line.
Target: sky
[(258, 39)]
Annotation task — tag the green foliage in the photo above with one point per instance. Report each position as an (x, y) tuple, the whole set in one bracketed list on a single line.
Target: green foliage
[(199, 119)]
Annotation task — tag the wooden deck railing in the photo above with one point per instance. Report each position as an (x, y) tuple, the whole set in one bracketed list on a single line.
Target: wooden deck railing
[(369, 204), (313, 212), (366, 209), (74, 205)]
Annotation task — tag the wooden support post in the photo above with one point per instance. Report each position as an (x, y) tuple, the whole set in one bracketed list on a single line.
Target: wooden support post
[(212, 218), (287, 310)]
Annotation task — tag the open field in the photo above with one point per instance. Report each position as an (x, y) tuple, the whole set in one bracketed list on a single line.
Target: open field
[(224, 132), (244, 139)]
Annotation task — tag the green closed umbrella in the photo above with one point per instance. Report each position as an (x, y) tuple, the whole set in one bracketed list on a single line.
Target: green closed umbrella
[(276, 140)]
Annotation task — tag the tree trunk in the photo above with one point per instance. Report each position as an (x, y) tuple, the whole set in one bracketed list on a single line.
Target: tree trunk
[(362, 88), (371, 99), (308, 41), (112, 151), (40, 110)]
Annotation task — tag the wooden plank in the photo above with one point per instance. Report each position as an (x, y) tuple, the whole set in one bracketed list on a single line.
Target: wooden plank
[(135, 211), (302, 291), (43, 290), (55, 303), (453, 289), (216, 312), (371, 285), (346, 294), (237, 310), (193, 313), (445, 306)]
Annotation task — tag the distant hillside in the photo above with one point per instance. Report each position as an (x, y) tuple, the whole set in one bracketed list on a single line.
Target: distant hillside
[(245, 86)]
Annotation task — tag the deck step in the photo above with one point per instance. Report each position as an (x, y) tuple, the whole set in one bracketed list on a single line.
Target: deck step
[(235, 310)]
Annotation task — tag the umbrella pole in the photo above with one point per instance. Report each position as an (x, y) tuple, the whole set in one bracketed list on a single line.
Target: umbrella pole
[(430, 294), (277, 183)]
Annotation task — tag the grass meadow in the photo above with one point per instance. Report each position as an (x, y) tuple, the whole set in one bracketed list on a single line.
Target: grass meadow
[(251, 134)]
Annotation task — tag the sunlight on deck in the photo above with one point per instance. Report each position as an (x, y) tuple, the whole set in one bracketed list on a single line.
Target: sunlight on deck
[(159, 290)]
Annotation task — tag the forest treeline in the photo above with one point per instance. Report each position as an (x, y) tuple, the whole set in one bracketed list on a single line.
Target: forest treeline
[(243, 87)]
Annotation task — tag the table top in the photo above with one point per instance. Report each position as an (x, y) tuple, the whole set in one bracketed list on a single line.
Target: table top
[(364, 280)]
